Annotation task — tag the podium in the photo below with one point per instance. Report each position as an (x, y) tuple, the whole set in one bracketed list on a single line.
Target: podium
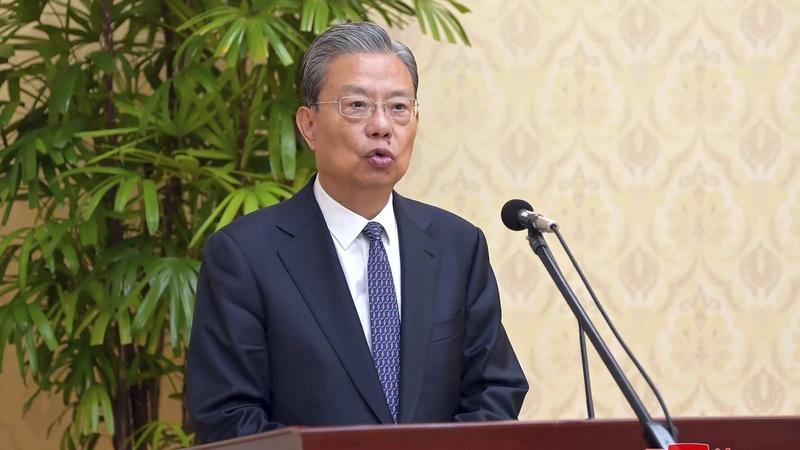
[(735, 433)]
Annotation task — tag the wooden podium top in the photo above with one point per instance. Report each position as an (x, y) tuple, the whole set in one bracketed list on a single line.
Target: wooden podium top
[(735, 433)]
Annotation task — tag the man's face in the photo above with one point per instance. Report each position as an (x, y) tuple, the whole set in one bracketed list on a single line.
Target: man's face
[(358, 154)]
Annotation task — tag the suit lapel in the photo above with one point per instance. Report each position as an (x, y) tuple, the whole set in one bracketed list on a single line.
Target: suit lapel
[(312, 262), (419, 254)]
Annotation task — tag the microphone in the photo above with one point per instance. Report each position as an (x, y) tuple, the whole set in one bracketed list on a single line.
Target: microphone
[(519, 214)]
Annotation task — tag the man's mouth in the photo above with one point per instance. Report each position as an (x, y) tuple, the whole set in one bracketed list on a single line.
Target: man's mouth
[(380, 157)]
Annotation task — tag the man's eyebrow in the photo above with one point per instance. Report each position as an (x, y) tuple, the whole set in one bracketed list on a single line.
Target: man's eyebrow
[(400, 93), (354, 89)]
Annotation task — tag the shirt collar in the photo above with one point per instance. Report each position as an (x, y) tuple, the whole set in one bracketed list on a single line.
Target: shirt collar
[(345, 225)]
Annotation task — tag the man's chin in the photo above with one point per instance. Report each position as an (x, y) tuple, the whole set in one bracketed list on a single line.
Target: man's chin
[(381, 179)]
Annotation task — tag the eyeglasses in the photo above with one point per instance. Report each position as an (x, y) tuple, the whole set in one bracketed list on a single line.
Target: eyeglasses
[(399, 109)]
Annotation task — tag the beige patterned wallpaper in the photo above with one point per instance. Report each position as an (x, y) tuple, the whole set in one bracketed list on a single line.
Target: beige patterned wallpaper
[(663, 135), (665, 138)]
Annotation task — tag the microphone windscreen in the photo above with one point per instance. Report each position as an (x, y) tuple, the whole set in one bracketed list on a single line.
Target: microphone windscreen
[(510, 213)]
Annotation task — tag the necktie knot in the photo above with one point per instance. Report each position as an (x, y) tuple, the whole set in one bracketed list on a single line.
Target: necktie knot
[(373, 231)]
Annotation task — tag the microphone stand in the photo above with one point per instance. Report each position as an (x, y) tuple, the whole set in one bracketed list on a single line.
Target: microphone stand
[(587, 382), (656, 434)]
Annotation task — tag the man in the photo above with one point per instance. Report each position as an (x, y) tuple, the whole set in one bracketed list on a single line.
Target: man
[(349, 304)]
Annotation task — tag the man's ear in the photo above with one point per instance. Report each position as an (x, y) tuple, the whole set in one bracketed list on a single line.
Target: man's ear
[(305, 118)]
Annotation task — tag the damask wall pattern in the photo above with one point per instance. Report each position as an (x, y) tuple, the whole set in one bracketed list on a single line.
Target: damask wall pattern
[(664, 136)]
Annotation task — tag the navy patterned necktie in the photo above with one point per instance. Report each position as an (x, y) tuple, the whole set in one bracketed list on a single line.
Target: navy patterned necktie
[(384, 317)]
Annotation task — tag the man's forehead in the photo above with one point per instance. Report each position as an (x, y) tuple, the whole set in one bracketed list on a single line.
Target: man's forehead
[(369, 74)]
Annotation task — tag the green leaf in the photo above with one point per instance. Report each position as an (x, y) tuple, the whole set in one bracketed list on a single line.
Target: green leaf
[(429, 15), (87, 320), (30, 347), (173, 320), (9, 238), (232, 209), (105, 133), (151, 208), (209, 220), (24, 261), (203, 75), (70, 257), (187, 164), (98, 170), (274, 142), (256, 43), (460, 7), (226, 12), (33, 195), (63, 88), (98, 195), (231, 39), (20, 315), (8, 113), (278, 45), (99, 328), (251, 202), (104, 61), (208, 154), (307, 16), (88, 232), (124, 193), (155, 337), (108, 410), (6, 327), (144, 313), (13, 88), (66, 132), (458, 27), (29, 163), (124, 324), (322, 17), (418, 10), (151, 104), (288, 146), (17, 341), (446, 28), (69, 302), (43, 325), (265, 198), (6, 51)]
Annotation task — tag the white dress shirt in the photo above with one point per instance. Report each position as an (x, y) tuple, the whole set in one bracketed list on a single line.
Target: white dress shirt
[(352, 247)]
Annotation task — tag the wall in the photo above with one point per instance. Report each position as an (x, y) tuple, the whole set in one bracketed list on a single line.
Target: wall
[(664, 138)]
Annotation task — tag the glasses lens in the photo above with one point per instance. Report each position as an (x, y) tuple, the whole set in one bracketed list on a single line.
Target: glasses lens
[(356, 107), (400, 108)]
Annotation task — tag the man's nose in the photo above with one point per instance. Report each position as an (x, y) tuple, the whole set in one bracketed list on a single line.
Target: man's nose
[(379, 123)]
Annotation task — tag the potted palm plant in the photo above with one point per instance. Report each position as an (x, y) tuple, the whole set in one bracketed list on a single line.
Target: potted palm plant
[(134, 129)]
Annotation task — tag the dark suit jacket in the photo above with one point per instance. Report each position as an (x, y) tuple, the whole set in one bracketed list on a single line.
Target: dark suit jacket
[(276, 339)]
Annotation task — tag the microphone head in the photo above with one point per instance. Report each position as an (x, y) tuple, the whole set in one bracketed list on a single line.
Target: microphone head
[(510, 213)]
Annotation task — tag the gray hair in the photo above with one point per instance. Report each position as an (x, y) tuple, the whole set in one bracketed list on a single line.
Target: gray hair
[(347, 39)]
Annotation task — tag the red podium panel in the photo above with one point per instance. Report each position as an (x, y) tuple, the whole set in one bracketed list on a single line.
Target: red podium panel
[(736, 433)]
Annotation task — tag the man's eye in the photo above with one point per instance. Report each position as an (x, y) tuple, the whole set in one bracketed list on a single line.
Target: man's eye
[(358, 104), (399, 106)]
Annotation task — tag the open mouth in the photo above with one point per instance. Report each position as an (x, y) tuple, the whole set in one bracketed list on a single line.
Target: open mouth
[(380, 157)]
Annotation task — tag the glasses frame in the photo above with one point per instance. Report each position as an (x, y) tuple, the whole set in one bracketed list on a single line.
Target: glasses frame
[(373, 107)]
